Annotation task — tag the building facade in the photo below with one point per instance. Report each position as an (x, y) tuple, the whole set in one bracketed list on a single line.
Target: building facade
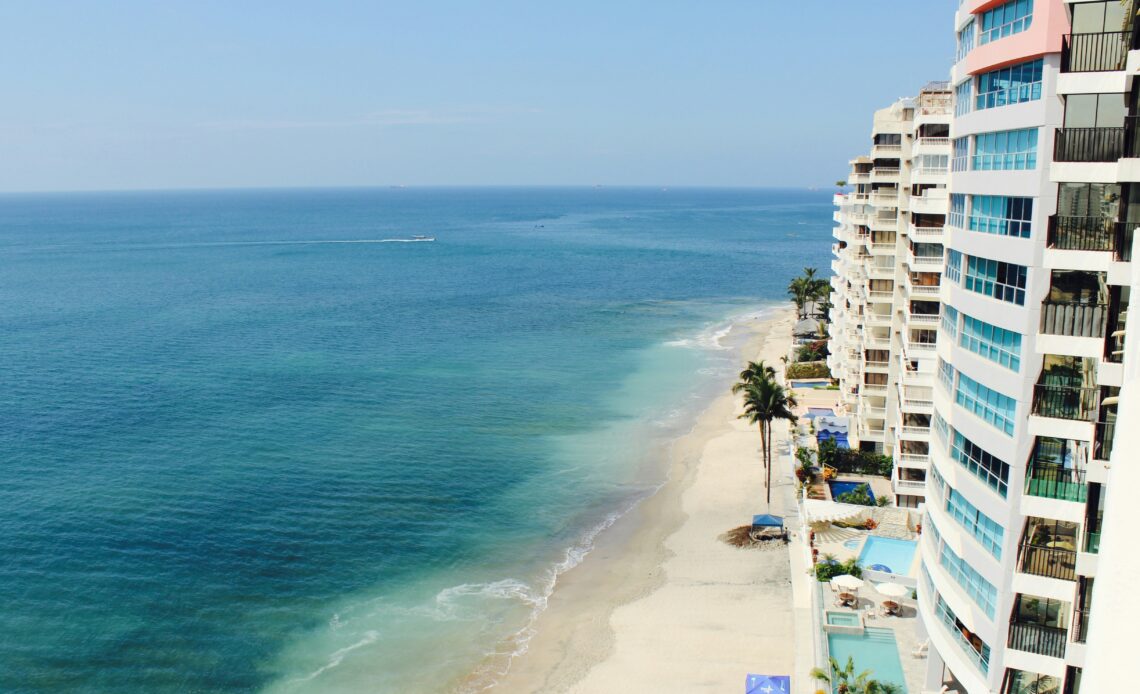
[(887, 270), (1025, 370)]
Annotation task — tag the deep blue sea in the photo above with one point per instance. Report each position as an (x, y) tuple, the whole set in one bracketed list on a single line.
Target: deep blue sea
[(238, 453)]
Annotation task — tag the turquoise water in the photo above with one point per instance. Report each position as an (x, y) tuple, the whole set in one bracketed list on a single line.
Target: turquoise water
[(895, 555), (240, 454), (845, 619), (875, 650), (838, 488)]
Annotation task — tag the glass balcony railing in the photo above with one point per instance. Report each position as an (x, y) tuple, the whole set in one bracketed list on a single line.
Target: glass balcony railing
[(1065, 402), (1088, 144), (1092, 542), (1056, 482), (1050, 562), (1103, 51), (1039, 639)]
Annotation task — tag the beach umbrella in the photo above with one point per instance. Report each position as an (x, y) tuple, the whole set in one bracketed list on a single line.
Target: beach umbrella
[(892, 590), (847, 581)]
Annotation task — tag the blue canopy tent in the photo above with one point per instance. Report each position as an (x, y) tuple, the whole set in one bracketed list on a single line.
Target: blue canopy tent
[(767, 684), (767, 520)]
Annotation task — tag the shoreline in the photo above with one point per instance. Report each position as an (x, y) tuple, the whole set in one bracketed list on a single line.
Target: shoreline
[(660, 603)]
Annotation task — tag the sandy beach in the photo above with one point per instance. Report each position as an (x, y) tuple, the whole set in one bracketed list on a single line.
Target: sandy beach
[(662, 604)]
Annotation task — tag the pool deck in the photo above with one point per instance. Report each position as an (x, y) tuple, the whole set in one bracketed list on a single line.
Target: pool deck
[(908, 632)]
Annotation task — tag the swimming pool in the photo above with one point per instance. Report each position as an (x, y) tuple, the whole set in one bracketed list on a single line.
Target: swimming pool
[(875, 650), (810, 384), (887, 554), (838, 488), (843, 619)]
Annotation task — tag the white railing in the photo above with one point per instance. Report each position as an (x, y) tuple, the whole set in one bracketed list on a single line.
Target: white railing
[(925, 289), (909, 484), (914, 459), (925, 231), (930, 171), (924, 318), (932, 142), (916, 431), (884, 172)]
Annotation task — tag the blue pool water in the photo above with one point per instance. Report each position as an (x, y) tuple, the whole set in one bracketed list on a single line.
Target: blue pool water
[(247, 443), (838, 488), (874, 649), (845, 619), (888, 554), (810, 384)]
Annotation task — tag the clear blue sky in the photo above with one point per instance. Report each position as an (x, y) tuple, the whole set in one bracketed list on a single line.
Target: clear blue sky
[(198, 93)]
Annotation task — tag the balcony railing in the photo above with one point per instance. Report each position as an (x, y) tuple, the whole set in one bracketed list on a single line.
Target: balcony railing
[(1073, 318), (1082, 233), (1104, 51), (1088, 144), (1102, 443), (1092, 542), (1065, 402), (1035, 638), (1050, 562), (1056, 482), (1081, 624)]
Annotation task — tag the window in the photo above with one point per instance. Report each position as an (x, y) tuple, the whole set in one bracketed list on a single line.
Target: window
[(988, 405), (1101, 200), (954, 266), (962, 95), (965, 41), (961, 154), (957, 216), (950, 321), (1002, 215), (981, 591), (1095, 110), (1095, 17), (1006, 150), (1002, 281), (993, 471), (996, 344), (1010, 85), (987, 532), (1011, 18), (1024, 682), (946, 375), (932, 163)]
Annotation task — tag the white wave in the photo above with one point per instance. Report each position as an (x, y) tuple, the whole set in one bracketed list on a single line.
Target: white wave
[(337, 657)]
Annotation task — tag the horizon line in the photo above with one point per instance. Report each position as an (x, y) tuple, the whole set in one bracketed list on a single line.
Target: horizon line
[(267, 188)]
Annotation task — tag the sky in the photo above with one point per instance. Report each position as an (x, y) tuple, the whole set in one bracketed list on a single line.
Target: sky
[(115, 95)]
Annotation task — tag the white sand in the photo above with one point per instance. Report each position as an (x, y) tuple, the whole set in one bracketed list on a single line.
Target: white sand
[(662, 605)]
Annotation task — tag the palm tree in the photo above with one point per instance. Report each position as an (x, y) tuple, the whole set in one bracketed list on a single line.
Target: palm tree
[(764, 402), (800, 291), (844, 680), (754, 372)]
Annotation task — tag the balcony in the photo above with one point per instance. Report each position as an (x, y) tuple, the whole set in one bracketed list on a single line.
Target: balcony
[(1081, 624), (1102, 442), (1089, 144), (915, 460), (1052, 481), (858, 177), (1083, 233), (1065, 402), (1073, 318), (926, 234), (932, 142), (1105, 51), (1092, 542), (928, 318), (1035, 638), (884, 173), (1050, 562)]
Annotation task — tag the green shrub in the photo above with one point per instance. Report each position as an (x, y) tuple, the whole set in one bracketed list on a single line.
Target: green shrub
[(808, 369), (853, 461), (860, 496), (829, 568)]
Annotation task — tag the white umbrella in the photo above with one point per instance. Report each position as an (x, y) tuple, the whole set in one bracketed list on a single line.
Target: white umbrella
[(892, 590), (847, 581)]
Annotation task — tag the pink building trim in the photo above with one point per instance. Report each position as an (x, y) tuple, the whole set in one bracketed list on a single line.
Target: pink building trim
[(1044, 35)]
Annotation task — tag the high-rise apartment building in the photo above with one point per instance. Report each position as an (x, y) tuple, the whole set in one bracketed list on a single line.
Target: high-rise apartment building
[(888, 265), (1031, 370)]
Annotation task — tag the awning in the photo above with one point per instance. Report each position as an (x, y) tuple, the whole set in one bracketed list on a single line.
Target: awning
[(767, 684), (767, 520), (820, 511)]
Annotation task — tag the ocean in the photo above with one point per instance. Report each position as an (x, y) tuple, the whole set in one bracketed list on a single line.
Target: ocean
[(250, 441)]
